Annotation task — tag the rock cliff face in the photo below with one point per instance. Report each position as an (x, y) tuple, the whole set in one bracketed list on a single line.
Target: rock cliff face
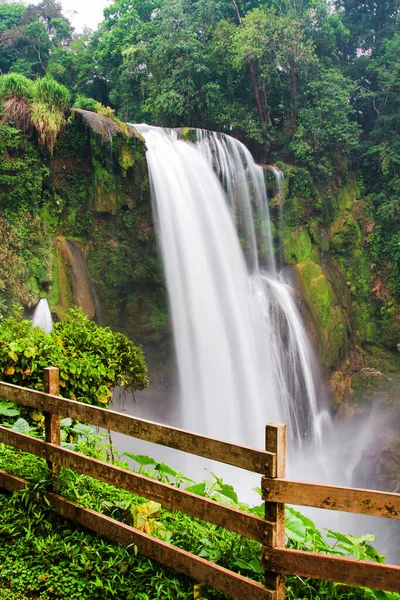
[(92, 195), (325, 239), (89, 201)]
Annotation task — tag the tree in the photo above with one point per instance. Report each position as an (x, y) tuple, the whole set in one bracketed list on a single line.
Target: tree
[(283, 55), (325, 127), (28, 36), (369, 22)]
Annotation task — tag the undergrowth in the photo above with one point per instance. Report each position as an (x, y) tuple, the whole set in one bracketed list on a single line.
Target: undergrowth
[(42, 556)]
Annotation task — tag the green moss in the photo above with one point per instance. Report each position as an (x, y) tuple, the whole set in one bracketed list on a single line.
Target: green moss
[(345, 232), (318, 236), (391, 329), (316, 291), (336, 343), (357, 267), (319, 288), (125, 158), (188, 134), (297, 246), (106, 189)]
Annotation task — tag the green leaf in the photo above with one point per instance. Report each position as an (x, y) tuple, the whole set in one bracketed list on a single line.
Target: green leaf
[(295, 528), (253, 565), (228, 491), (9, 409), (21, 426), (69, 446), (198, 488), (141, 459), (82, 429)]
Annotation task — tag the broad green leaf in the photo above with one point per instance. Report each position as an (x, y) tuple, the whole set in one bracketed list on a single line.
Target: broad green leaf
[(21, 426), (142, 459), (295, 528), (198, 488), (228, 491), (9, 409), (253, 565), (82, 429)]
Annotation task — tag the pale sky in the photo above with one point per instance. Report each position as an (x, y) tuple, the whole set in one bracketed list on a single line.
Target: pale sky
[(82, 12)]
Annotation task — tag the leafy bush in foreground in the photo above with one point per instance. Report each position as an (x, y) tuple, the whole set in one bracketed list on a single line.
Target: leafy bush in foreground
[(40, 553), (91, 359)]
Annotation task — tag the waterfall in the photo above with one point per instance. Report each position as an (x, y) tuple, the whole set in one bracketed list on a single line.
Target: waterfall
[(82, 287), (279, 201), (243, 354), (42, 316), (242, 350)]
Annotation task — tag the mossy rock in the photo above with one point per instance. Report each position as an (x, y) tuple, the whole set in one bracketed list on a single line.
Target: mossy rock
[(366, 384), (345, 232), (126, 158), (189, 134), (391, 330), (318, 235), (316, 291), (298, 247), (336, 342), (357, 267)]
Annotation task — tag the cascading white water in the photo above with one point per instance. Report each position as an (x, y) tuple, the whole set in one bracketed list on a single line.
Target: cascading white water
[(42, 316), (279, 199), (224, 363), (294, 366), (243, 355)]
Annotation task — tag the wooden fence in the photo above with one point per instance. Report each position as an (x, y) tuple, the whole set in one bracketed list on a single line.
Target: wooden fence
[(277, 561)]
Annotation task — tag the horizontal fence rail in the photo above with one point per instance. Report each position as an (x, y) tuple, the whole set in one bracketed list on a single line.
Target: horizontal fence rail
[(250, 459), (366, 502), (208, 510), (332, 568), (198, 568), (277, 560)]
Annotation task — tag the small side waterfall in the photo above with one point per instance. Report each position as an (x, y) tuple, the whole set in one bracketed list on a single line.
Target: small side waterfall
[(243, 354), (82, 287), (279, 201), (42, 316)]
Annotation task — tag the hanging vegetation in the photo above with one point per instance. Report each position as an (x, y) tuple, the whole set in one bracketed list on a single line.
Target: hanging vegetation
[(38, 105)]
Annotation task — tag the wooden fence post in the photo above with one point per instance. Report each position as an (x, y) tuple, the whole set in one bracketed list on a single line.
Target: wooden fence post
[(275, 441), (52, 422)]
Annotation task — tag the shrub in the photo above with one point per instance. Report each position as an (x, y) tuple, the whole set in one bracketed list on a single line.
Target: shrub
[(49, 91), (91, 359), (15, 85)]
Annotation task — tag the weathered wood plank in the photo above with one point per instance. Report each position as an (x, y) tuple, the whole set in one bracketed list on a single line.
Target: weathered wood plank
[(257, 461), (332, 568), (230, 518), (11, 483), (226, 581), (367, 502), (51, 421), (234, 585), (275, 442)]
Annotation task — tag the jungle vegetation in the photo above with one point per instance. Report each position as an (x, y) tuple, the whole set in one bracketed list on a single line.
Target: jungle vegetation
[(310, 83)]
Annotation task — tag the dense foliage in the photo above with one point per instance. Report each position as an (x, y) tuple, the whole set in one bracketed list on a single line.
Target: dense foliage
[(42, 554), (91, 359)]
